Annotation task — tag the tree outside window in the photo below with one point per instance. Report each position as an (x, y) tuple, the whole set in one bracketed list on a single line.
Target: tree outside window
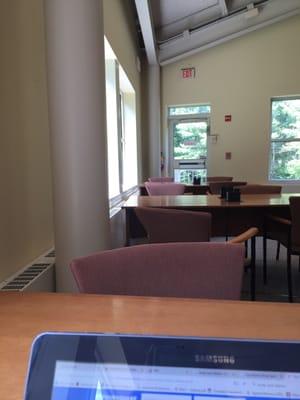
[(285, 139)]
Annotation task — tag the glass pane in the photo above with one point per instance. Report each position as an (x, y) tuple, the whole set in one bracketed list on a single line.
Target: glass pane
[(285, 160), (286, 119), (183, 110), (112, 129), (188, 175), (190, 140), (129, 142)]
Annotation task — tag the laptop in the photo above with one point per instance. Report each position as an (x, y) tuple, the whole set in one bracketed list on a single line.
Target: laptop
[(76, 366)]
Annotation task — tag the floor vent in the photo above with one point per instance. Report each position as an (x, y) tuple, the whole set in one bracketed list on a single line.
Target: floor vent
[(51, 254), (39, 276)]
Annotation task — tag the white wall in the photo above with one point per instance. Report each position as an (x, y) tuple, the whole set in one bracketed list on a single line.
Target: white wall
[(26, 229), (239, 78)]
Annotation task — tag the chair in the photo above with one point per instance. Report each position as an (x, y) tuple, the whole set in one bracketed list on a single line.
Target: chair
[(260, 189), (287, 232), (168, 225), (219, 179), (192, 270), (160, 189), (161, 179), (250, 234), (215, 187)]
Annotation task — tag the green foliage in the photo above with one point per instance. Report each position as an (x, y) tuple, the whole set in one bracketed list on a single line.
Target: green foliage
[(190, 140), (190, 144), (189, 110), (285, 155)]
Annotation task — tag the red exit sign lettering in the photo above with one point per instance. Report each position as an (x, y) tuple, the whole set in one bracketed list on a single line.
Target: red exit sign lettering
[(188, 73)]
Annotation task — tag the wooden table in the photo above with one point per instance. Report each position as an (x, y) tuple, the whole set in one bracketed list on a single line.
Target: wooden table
[(23, 316), (228, 218)]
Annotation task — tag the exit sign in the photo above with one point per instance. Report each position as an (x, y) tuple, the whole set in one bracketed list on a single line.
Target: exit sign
[(188, 73)]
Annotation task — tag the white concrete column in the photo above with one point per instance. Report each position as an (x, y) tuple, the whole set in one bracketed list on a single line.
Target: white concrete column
[(154, 119), (76, 87)]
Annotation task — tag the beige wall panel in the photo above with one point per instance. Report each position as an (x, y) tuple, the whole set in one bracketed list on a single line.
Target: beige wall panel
[(25, 200), (239, 78)]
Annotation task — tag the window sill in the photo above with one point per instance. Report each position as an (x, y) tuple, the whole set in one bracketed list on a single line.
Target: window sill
[(115, 204), (284, 181)]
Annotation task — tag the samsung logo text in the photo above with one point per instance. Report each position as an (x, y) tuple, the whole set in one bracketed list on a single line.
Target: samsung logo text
[(214, 359)]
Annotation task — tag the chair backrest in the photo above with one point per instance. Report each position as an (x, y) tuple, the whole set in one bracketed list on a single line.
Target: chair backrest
[(219, 179), (160, 189), (161, 179), (215, 187), (295, 217), (168, 225), (260, 189), (195, 270)]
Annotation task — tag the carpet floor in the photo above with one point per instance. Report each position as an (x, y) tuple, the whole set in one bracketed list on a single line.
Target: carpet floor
[(276, 287)]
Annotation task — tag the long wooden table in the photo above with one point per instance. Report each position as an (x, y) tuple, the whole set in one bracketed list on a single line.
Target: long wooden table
[(189, 188), (23, 316), (228, 218)]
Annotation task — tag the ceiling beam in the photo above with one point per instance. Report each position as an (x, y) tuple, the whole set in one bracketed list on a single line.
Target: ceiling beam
[(223, 6), (228, 28), (145, 17)]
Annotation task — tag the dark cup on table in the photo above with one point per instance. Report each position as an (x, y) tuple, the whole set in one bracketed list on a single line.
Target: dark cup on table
[(224, 191), (233, 195), (197, 180)]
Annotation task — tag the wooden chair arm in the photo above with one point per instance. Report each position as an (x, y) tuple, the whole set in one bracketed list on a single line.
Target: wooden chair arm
[(280, 220), (243, 237)]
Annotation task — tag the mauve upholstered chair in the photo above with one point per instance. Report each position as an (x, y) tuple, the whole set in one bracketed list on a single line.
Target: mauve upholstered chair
[(219, 179), (169, 225), (161, 179), (161, 189), (215, 187), (252, 188), (189, 270), (286, 232)]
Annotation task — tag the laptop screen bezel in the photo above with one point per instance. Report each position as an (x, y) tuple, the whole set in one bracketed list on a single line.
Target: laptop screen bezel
[(169, 351)]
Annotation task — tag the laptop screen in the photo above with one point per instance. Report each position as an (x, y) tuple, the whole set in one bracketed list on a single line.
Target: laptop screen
[(121, 382), (132, 367), (84, 381)]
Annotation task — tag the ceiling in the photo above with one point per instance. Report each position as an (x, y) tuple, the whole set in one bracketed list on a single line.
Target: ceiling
[(174, 29)]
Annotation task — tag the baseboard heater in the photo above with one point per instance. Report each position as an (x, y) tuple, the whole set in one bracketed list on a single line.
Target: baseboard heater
[(39, 276)]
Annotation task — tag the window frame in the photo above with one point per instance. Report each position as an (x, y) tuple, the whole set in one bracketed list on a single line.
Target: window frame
[(278, 180)]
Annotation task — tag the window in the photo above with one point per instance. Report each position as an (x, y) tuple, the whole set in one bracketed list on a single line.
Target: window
[(121, 126), (128, 132), (285, 139), (184, 110), (112, 122)]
